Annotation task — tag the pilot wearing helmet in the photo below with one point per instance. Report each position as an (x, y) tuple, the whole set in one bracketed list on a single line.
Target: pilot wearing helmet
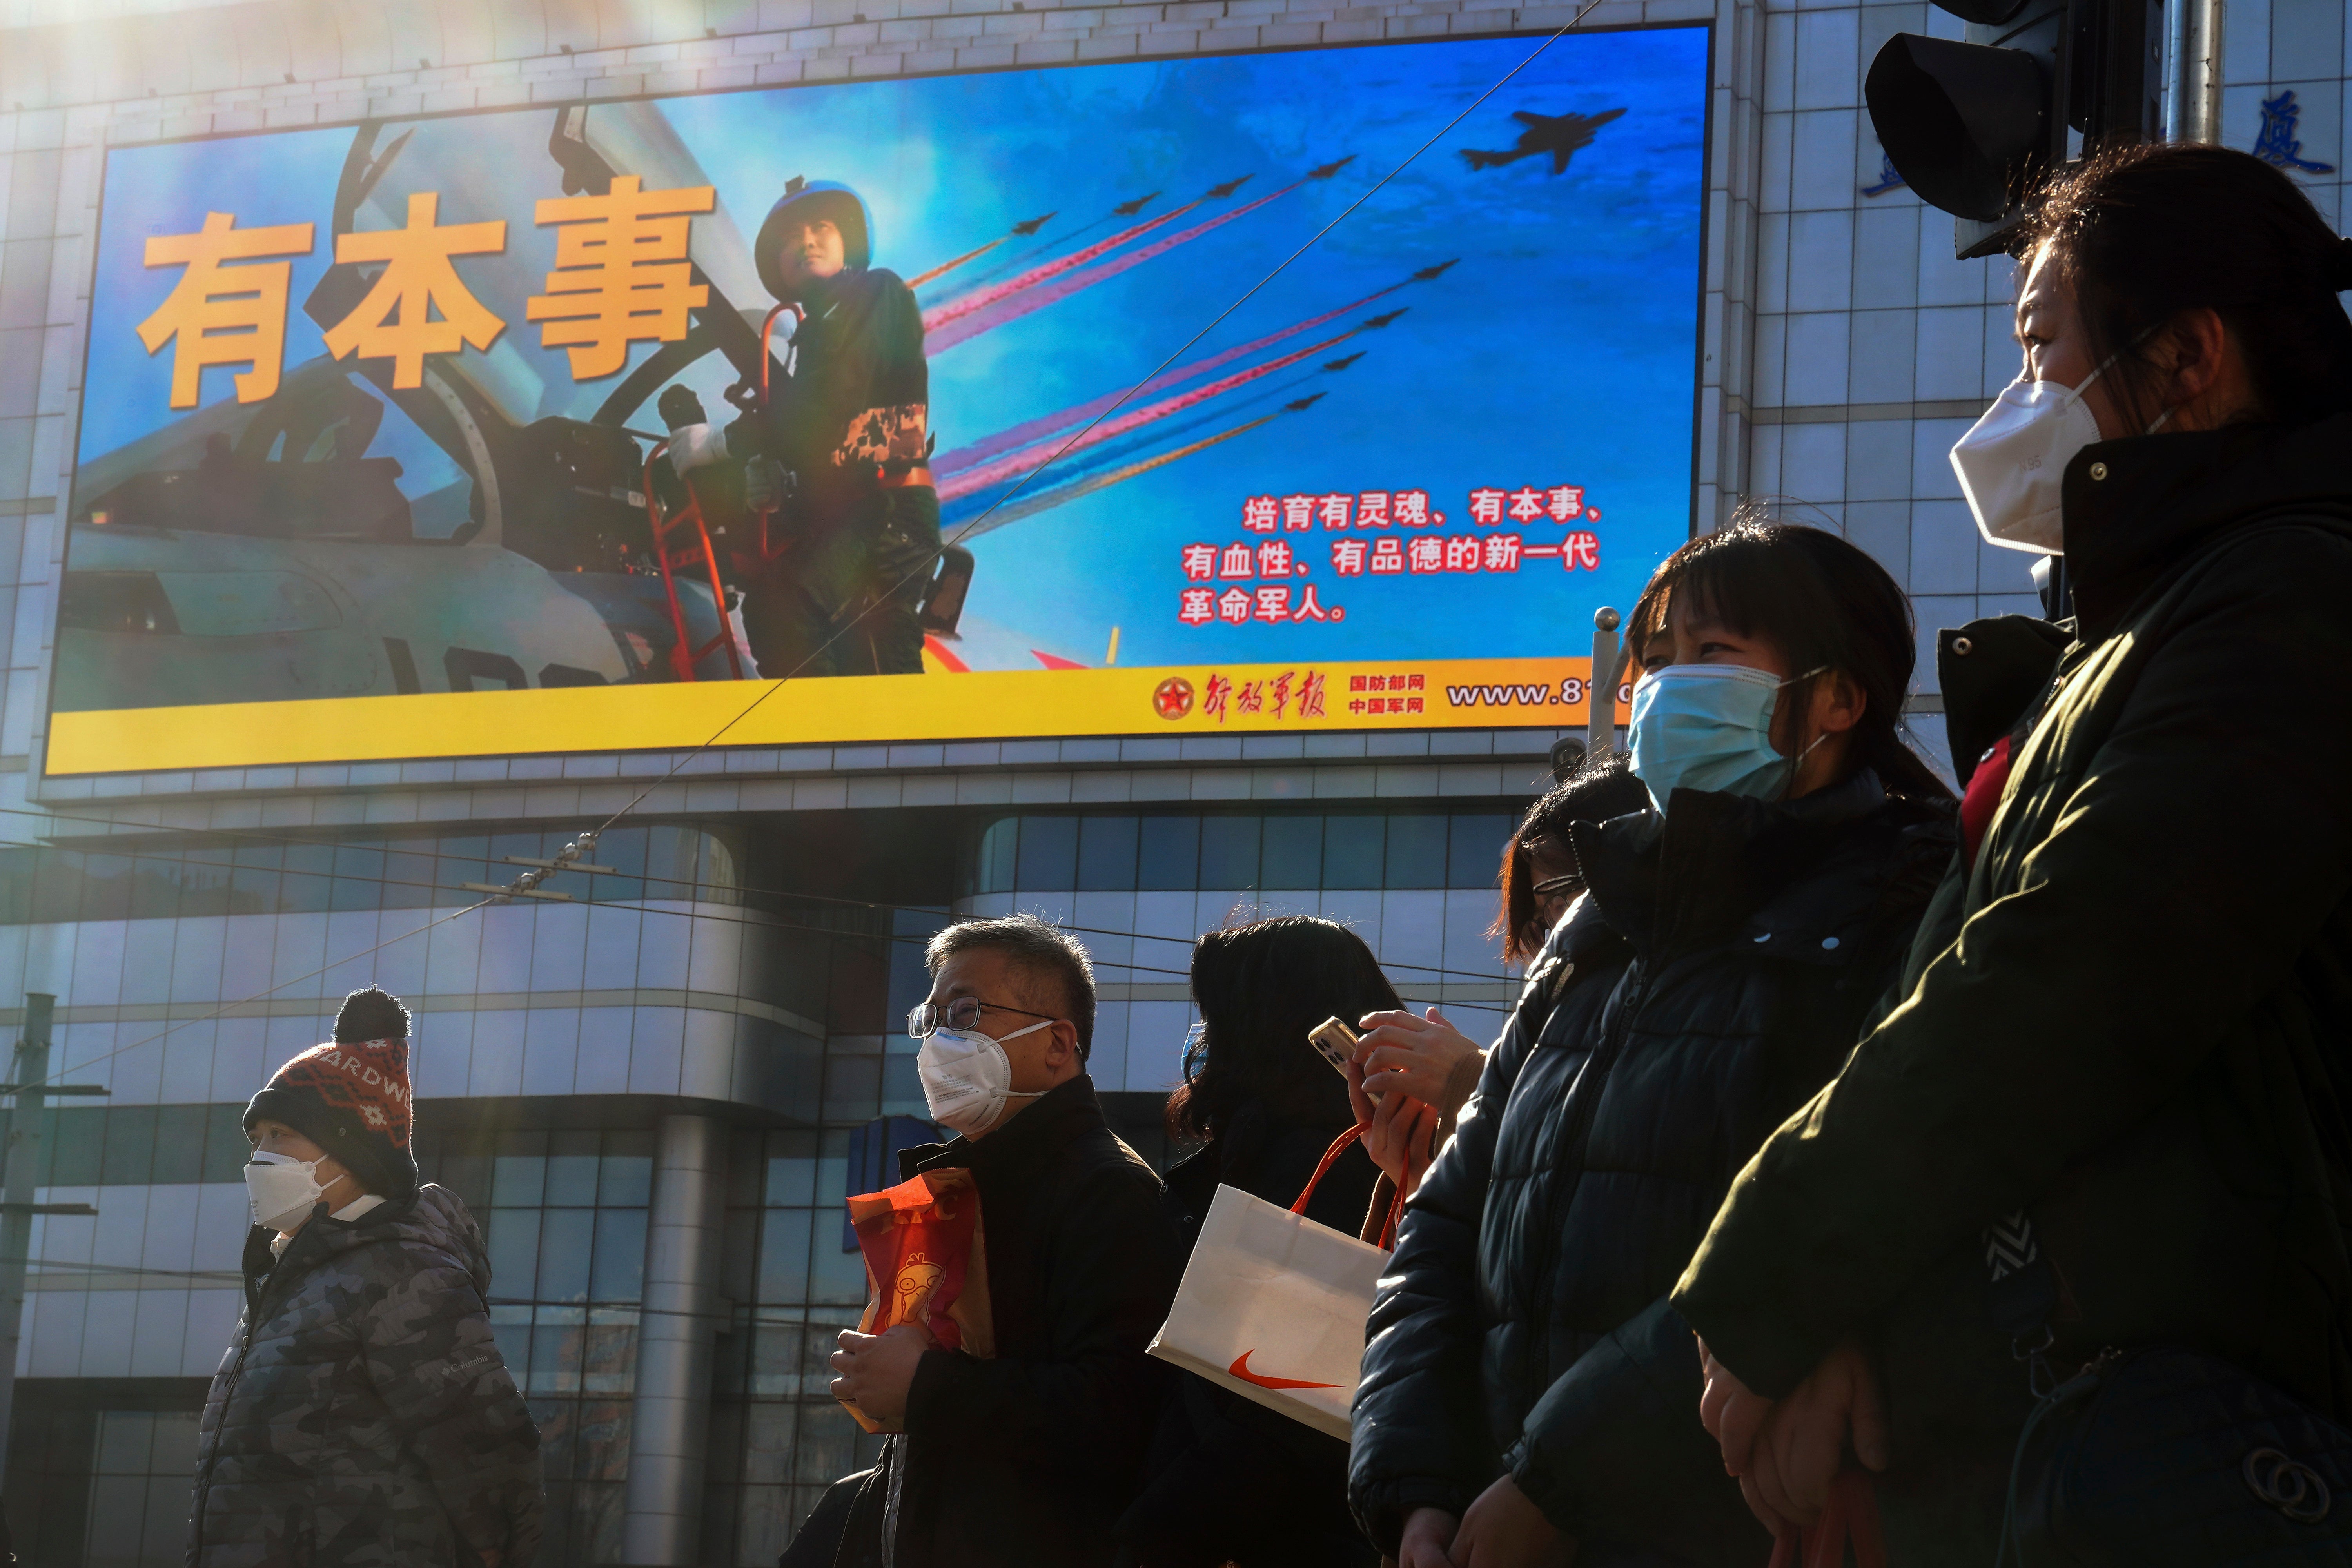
[(851, 425)]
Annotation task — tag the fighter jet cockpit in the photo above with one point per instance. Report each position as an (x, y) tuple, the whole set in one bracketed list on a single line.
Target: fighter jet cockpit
[(484, 527)]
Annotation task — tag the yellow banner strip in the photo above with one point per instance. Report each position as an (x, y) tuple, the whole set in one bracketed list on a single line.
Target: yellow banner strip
[(1400, 694)]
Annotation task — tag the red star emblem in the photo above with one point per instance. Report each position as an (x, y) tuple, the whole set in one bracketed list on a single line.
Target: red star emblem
[(1173, 699)]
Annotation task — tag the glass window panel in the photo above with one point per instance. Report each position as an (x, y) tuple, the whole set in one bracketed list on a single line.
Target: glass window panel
[(1169, 853), (1416, 852), (513, 1244), (359, 877), (1293, 853), (785, 1256), (837, 1278), (565, 1238), (1229, 852), (792, 1172), (155, 888), (519, 1179), (205, 882), (126, 1440), (1352, 851), (118, 1507), (571, 1166), (1474, 849), (468, 1176), (129, 1145), (628, 1179), (180, 1143), (514, 1342), (620, 1271), (833, 1170), (174, 1454), (1004, 843), (1105, 854), (1049, 852), (309, 884), (105, 887), (226, 1148)]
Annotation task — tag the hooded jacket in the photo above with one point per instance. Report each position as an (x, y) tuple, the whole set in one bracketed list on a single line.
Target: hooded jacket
[(2128, 1016), (1716, 972), (363, 1417)]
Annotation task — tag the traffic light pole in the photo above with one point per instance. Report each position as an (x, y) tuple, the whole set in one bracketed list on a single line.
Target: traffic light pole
[(2193, 81)]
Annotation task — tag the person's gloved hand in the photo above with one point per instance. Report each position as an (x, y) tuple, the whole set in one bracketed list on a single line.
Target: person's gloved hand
[(765, 484)]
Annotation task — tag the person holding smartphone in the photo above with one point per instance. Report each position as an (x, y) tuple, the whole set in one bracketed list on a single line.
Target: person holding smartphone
[(1528, 1389), (1234, 1481)]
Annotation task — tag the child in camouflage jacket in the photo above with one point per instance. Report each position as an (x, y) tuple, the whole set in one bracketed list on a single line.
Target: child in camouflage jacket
[(363, 1417)]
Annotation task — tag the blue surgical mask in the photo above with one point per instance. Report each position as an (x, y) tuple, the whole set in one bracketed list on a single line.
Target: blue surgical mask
[(1709, 727)]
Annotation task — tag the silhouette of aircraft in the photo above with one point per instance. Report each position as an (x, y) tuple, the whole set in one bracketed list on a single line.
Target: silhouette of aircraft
[(1559, 134), (1034, 224), (1129, 209), (1343, 361)]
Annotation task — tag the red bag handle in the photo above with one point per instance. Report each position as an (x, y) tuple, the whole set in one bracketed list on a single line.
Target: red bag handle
[(1851, 1517), (1340, 1146)]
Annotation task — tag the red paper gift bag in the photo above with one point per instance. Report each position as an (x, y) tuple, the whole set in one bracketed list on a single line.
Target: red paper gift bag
[(926, 1262)]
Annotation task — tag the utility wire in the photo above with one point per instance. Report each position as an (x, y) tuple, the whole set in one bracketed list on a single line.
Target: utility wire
[(1080, 434), (585, 842), (697, 887)]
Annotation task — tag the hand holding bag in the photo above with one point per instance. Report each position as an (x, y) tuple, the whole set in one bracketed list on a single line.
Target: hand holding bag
[(1272, 1306)]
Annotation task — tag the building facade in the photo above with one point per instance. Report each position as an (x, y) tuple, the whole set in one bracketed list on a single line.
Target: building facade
[(657, 1094)]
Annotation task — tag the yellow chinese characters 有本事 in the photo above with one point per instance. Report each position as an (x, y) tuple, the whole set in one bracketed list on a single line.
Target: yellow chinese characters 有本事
[(222, 315), (622, 273), (394, 320)]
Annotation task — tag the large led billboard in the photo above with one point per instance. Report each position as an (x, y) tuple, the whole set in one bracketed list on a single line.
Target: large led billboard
[(486, 434)]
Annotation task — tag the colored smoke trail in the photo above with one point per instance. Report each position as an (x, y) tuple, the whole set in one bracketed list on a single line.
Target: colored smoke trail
[(970, 322), (989, 473), (1033, 430), (963, 305), (944, 268), (1061, 496)]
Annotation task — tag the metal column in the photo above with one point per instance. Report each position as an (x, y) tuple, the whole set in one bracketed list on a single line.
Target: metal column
[(1600, 694), (671, 1415), (2192, 76), (30, 1073)]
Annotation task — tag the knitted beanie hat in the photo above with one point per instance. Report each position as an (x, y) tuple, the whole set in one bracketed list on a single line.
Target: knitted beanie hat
[(351, 1097)]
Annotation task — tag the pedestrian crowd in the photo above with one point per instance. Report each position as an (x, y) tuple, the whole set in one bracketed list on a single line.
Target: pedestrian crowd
[(1943, 1178)]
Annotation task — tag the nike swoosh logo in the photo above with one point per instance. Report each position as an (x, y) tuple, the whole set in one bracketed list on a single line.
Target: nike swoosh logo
[(1241, 1369)]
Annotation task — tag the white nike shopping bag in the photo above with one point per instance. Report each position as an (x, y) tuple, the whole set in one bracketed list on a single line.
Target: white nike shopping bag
[(1273, 1306)]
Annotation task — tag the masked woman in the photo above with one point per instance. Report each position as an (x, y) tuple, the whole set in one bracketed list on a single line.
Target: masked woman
[(1528, 1389), (1232, 1481), (2119, 1061)]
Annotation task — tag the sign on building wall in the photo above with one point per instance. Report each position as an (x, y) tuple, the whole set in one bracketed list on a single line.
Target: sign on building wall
[(372, 457)]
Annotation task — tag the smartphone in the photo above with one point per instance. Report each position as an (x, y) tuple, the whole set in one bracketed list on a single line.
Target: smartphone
[(1335, 1042)]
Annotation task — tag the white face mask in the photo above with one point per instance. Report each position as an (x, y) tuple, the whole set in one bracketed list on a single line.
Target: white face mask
[(2012, 462), (967, 1078), (282, 1189)]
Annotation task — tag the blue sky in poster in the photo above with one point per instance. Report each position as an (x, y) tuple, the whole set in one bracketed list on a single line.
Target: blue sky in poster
[(1560, 350)]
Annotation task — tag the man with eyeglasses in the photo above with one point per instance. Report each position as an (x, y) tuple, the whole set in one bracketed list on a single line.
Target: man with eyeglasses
[(1025, 1460)]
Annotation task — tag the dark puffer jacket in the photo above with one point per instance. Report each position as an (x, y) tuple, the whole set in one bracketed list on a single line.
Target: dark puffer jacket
[(1720, 970), (363, 1417)]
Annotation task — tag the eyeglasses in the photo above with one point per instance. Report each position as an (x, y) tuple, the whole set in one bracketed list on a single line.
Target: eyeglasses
[(1566, 887), (963, 1013)]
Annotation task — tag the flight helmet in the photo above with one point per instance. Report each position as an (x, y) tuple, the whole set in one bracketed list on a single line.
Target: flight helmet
[(803, 200)]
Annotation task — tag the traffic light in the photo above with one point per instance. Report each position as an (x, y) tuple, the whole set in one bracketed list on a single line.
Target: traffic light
[(1975, 127)]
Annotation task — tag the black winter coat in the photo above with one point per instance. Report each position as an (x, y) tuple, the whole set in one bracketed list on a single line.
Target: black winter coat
[(1721, 966), (1024, 1461), (2129, 1015), (1231, 1481), (363, 1417)]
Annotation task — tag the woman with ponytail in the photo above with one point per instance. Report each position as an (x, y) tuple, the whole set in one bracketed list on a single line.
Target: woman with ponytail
[(1527, 1390), (2112, 1113)]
